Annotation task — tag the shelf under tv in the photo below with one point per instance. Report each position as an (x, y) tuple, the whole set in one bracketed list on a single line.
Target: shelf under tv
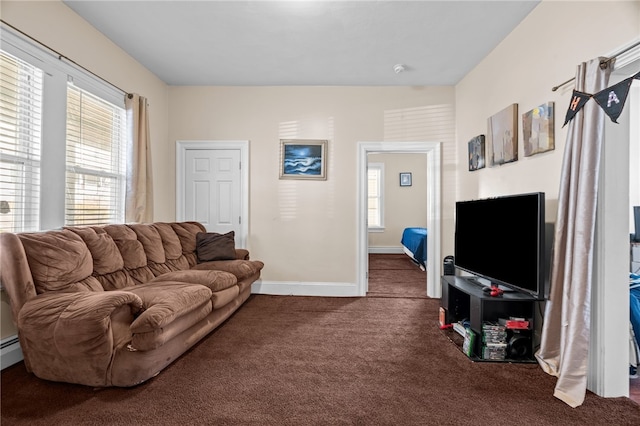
[(462, 299)]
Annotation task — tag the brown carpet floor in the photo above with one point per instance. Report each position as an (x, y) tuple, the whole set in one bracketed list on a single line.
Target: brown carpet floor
[(287, 360), (395, 275)]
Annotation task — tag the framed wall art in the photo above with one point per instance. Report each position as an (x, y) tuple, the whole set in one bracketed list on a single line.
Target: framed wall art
[(503, 134), (476, 153), (538, 130), (405, 179), (303, 159)]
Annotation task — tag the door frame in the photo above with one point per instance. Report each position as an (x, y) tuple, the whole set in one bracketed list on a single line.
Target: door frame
[(433, 151), (243, 146), (608, 371)]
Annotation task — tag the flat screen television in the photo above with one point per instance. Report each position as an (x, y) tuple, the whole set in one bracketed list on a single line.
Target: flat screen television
[(501, 240), (636, 222)]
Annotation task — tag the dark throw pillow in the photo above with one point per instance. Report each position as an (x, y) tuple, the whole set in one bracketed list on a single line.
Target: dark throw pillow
[(213, 246)]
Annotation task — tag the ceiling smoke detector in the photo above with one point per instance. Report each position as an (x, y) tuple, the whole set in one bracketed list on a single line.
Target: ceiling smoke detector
[(398, 68)]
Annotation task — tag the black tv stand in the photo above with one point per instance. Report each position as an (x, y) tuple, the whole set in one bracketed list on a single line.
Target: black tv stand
[(484, 283), (462, 299)]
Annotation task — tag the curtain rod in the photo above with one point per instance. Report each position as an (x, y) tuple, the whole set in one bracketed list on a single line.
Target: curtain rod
[(61, 57), (603, 64)]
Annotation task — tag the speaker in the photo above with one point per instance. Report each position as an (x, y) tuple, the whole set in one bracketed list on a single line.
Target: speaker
[(448, 266), (519, 344)]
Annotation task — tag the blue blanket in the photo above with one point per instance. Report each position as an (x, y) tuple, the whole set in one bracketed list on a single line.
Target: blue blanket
[(634, 304), (415, 240)]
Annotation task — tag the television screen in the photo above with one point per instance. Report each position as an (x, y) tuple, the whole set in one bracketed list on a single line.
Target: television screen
[(502, 240), (636, 222)]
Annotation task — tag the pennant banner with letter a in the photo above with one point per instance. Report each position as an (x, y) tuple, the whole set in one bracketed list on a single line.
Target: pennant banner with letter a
[(578, 100), (611, 99)]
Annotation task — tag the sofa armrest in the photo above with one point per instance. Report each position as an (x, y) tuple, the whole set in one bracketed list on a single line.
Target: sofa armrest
[(242, 254), (71, 337)]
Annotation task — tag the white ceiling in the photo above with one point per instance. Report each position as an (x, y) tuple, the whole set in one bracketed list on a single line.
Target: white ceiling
[(306, 42)]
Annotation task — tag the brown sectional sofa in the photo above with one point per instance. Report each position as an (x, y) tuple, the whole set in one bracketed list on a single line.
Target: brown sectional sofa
[(113, 305)]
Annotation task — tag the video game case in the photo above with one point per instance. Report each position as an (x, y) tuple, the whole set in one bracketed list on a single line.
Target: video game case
[(514, 323), (459, 328), (494, 329), (469, 339), (494, 352)]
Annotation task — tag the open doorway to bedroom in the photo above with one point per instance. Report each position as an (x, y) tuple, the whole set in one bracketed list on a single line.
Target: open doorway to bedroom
[(429, 154), (397, 224)]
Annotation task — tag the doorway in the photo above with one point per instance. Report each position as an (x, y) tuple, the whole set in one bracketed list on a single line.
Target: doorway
[(433, 153), (212, 185), (397, 201)]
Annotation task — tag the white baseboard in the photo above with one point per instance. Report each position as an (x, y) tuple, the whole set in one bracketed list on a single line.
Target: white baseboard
[(291, 288), (10, 352), (386, 250)]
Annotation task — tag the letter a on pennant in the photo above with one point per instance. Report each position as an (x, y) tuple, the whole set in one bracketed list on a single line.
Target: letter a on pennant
[(578, 99), (612, 99)]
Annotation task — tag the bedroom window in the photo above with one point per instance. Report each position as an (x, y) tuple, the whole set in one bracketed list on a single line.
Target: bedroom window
[(375, 192), (20, 140)]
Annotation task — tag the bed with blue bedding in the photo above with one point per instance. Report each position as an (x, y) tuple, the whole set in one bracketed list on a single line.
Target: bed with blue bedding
[(634, 305), (414, 242)]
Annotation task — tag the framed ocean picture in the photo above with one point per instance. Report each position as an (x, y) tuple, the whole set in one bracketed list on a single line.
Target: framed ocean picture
[(303, 159)]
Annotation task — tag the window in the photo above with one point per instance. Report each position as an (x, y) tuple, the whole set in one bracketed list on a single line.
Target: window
[(375, 178), (20, 140), (62, 141), (95, 175)]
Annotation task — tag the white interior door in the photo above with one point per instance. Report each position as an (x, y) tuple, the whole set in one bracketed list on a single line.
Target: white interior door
[(212, 188), (212, 185)]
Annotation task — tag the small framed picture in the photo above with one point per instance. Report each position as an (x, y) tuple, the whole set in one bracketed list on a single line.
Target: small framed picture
[(405, 179), (476, 153)]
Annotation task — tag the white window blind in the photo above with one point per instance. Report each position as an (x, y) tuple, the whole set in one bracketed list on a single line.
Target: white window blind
[(21, 89), (95, 156), (374, 192)]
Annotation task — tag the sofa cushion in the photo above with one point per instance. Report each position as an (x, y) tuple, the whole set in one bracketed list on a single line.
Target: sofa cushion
[(165, 301), (176, 260), (151, 242), (104, 251), (170, 240), (242, 269), (59, 261), (186, 232), (170, 308), (155, 338), (213, 246), (130, 248), (214, 280), (116, 280)]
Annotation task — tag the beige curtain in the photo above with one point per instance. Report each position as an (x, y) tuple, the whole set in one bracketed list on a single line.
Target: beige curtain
[(565, 334), (139, 197)]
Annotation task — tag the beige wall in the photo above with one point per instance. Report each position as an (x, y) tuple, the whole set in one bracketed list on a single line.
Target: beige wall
[(305, 231), (404, 206), (542, 52), (57, 26)]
